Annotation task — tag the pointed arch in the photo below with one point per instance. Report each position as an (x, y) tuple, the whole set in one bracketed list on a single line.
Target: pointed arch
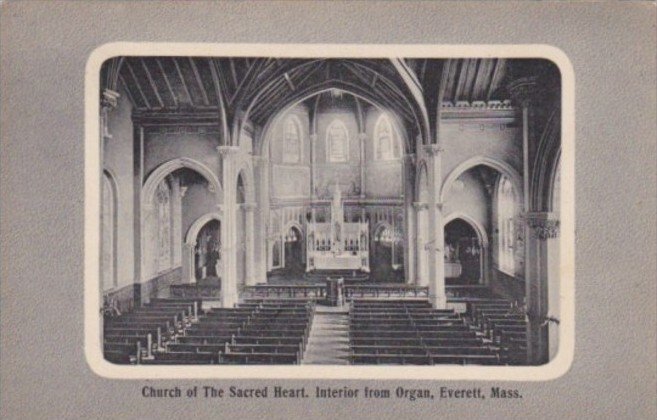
[(502, 167), (422, 182), (476, 226), (337, 142), (245, 171), (197, 225), (386, 139), (162, 171), (292, 139)]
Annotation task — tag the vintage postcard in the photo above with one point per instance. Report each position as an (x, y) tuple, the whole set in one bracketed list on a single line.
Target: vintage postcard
[(343, 211), (371, 209)]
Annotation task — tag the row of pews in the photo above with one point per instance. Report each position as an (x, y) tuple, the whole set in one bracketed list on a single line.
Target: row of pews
[(411, 332), (255, 332), (504, 324), (130, 337)]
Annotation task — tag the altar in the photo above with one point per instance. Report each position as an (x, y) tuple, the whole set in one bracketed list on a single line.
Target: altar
[(337, 245)]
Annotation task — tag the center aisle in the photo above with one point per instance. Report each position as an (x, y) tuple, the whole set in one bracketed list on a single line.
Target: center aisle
[(328, 342)]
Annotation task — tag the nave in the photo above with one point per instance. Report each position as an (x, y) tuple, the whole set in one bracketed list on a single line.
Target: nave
[(482, 330), (230, 180)]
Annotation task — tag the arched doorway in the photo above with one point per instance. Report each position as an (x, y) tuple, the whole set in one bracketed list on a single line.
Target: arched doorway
[(294, 258), (463, 254), (207, 253), (381, 260)]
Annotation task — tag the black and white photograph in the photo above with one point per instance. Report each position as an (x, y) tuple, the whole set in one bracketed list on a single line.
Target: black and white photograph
[(335, 209), (329, 211)]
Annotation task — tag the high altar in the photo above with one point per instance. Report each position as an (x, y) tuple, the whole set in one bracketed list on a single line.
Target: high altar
[(338, 245)]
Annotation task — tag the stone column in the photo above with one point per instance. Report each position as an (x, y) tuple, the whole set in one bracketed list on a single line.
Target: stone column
[(362, 137), (421, 264), (249, 229), (228, 232), (188, 263), (261, 168), (313, 158), (544, 229), (523, 92), (436, 229), (409, 218)]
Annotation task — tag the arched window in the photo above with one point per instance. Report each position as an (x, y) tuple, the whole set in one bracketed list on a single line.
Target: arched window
[(164, 231), (385, 145), (108, 234), (337, 142), (506, 212), (292, 140)]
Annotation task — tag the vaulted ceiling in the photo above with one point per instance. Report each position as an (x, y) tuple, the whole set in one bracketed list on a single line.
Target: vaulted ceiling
[(261, 87)]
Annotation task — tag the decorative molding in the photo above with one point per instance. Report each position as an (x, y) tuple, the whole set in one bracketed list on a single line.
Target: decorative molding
[(497, 105), (177, 118), (419, 206), (544, 225), (433, 149), (109, 99), (227, 150), (524, 90)]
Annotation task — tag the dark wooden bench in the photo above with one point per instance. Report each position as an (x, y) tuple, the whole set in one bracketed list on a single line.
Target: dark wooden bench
[(259, 358)]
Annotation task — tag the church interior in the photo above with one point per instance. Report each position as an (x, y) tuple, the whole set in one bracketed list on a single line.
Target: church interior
[(262, 210)]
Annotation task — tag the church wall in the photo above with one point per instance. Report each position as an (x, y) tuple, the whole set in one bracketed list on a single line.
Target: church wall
[(292, 180), (462, 141), (167, 143), (383, 179), (471, 199), (118, 159), (198, 200), (346, 173)]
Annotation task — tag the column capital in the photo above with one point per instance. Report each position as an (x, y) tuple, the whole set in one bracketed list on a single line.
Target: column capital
[(432, 149), (362, 136), (544, 225), (524, 90), (439, 207), (249, 206), (419, 206), (109, 99), (227, 150)]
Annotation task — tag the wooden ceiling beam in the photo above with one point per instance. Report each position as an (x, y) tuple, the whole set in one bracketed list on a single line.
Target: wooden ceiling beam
[(233, 72), (167, 82), (182, 80), (481, 81), (199, 81), (127, 91), (137, 85), (462, 76), (496, 77), (152, 83), (289, 81)]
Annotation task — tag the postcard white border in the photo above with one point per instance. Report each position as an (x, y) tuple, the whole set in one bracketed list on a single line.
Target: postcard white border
[(92, 342)]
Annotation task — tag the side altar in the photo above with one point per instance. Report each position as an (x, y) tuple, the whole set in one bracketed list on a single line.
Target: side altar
[(337, 245)]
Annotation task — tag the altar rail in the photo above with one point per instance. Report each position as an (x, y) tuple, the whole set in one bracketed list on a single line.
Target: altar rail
[(194, 290), (311, 291), (351, 291)]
